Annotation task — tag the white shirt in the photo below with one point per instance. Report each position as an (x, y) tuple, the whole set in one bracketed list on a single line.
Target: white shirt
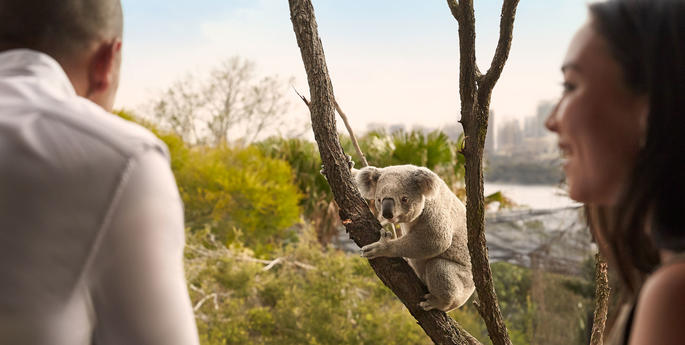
[(91, 223)]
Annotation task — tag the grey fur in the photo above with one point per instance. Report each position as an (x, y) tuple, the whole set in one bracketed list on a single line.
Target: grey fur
[(433, 230)]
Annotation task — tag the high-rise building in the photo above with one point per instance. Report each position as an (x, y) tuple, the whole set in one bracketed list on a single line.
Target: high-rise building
[(509, 136)]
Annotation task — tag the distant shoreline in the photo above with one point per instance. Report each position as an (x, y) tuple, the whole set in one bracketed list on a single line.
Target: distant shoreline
[(523, 170)]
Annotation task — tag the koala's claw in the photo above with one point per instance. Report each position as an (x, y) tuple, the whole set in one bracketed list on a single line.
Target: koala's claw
[(379, 248), (350, 164), (426, 304), (372, 250), (386, 235)]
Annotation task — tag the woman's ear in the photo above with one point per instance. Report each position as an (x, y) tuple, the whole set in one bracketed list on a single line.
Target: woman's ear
[(367, 179)]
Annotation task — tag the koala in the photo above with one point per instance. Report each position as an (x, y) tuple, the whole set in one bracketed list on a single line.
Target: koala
[(432, 236)]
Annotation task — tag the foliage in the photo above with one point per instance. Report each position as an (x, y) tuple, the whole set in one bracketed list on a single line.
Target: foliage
[(305, 162), (536, 306), (315, 295), (311, 296), (237, 192), (317, 204), (242, 206)]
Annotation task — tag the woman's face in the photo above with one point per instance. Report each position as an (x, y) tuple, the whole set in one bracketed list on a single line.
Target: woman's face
[(598, 120)]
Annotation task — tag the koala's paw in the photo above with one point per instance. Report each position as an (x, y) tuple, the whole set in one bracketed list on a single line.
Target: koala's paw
[(350, 164), (386, 235), (428, 303), (380, 248)]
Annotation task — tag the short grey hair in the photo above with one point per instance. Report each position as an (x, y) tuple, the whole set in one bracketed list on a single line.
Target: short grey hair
[(58, 27)]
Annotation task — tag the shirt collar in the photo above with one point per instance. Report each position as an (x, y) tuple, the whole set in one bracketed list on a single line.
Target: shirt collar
[(26, 62)]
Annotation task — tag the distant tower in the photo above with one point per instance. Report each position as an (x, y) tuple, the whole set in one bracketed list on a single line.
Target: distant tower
[(543, 111), (490, 136)]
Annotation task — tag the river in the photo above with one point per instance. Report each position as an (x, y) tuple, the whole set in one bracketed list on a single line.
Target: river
[(532, 196)]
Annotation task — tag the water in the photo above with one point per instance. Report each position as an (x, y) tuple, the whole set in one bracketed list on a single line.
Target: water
[(546, 230), (532, 196)]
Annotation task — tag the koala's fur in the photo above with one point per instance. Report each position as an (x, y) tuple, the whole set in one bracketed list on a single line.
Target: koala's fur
[(433, 229)]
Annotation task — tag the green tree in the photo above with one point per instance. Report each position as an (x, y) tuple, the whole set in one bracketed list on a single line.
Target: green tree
[(237, 192)]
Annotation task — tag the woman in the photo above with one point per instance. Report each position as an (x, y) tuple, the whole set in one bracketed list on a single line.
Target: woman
[(621, 123)]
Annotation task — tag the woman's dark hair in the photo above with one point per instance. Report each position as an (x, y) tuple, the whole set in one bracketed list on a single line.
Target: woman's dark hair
[(647, 38)]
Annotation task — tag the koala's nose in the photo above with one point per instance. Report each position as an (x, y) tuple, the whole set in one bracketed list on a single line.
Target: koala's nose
[(387, 206)]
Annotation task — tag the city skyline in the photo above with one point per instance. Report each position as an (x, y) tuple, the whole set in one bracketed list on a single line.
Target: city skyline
[(389, 61)]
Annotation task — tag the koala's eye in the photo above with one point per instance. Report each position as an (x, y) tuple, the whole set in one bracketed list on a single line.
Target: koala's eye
[(379, 200), (405, 199)]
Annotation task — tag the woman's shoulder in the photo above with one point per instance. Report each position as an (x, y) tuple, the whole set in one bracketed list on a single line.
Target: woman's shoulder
[(660, 312)]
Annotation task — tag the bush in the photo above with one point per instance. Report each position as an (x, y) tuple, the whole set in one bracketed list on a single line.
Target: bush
[(310, 295), (237, 192)]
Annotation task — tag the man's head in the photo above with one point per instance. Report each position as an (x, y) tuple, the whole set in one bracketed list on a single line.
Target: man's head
[(84, 36)]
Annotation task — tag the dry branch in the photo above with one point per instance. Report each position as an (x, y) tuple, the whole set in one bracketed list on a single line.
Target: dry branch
[(352, 137), (601, 301), (358, 219), (355, 143)]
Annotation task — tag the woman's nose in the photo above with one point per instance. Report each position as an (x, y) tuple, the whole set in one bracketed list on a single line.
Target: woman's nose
[(551, 122)]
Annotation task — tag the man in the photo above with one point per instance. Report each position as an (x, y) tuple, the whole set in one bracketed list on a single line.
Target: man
[(91, 223)]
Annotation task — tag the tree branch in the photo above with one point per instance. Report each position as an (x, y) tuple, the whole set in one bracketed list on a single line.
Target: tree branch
[(359, 222), (467, 60), (601, 300), (506, 28), (352, 136), (454, 8), (475, 91)]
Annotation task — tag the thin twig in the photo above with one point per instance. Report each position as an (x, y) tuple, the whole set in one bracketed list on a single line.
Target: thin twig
[(355, 143), (203, 300), (301, 97), (272, 264), (349, 130), (196, 289)]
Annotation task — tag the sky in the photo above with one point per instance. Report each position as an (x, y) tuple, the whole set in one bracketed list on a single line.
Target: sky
[(391, 61)]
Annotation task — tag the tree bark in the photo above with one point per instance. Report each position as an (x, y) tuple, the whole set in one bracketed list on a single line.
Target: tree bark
[(475, 91), (357, 218), (602, 291)]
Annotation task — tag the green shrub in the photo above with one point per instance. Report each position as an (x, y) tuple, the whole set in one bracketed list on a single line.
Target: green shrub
[(310, 296), (238, 193)]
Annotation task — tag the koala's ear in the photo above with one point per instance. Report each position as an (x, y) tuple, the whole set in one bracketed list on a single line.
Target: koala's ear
[(425, 181), (366, 179)]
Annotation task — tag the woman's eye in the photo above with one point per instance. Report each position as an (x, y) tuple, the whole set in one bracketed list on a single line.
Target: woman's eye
[(568, 87), (404, 199)]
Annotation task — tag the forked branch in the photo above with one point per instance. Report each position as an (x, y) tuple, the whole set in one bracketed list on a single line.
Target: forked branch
[(506, 28), (475, 91)]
